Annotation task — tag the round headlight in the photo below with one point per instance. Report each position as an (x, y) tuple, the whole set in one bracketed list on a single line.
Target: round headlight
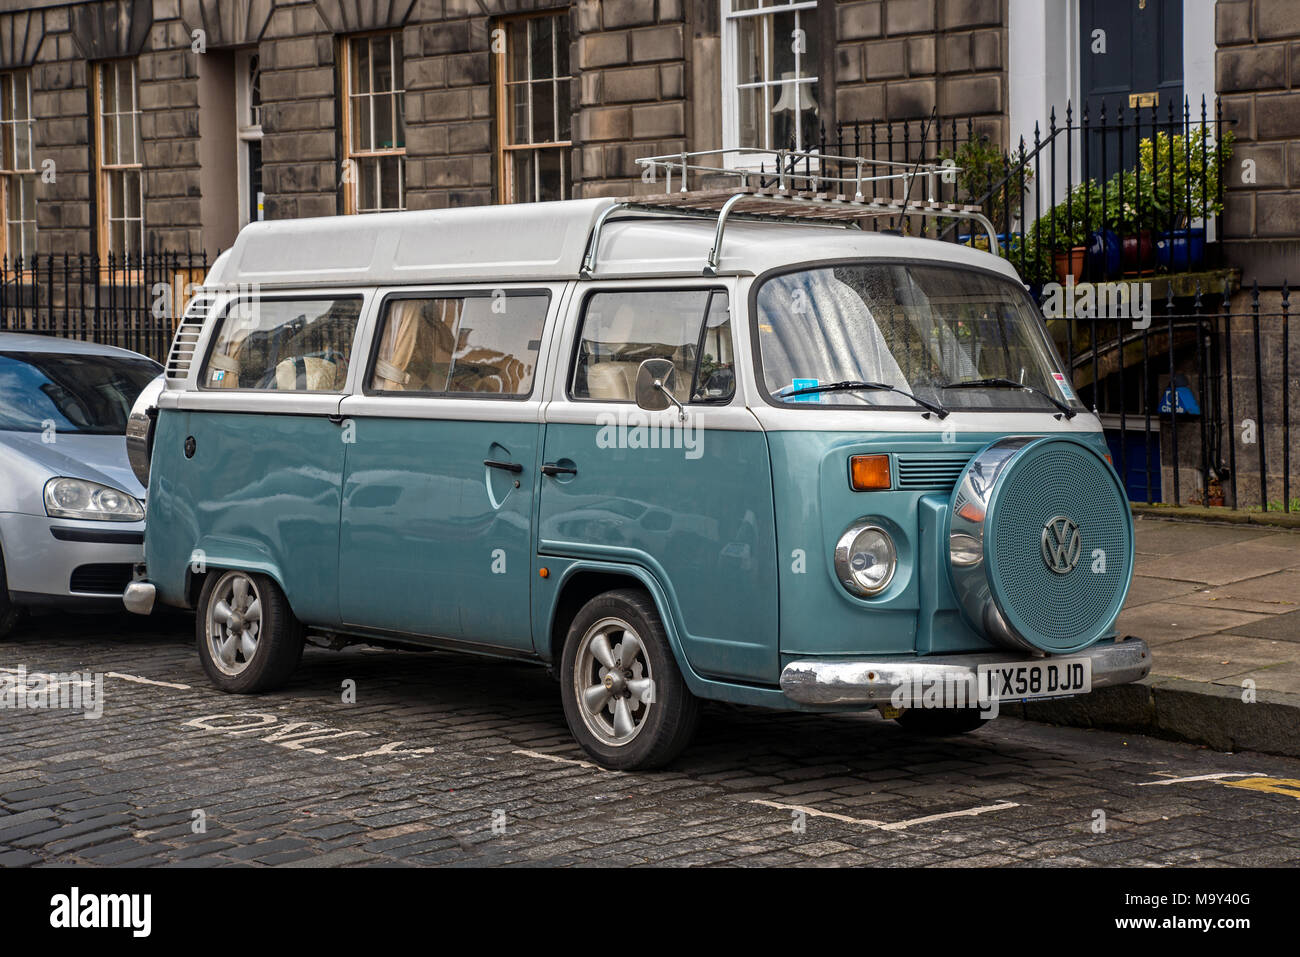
[(865, 559)]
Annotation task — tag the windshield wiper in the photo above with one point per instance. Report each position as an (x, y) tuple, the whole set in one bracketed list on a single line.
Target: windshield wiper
[(1001, 382), (852, 385)]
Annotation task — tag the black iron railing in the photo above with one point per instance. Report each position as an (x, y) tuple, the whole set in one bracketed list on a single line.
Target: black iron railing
[(1197, 401), (131, 301), (1099, 197)]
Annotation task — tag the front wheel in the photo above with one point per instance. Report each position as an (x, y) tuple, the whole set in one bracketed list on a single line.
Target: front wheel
[(941, 722), (248, 638), (624, 698)]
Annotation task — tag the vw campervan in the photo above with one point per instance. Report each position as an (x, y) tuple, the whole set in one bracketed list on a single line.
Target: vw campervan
[(701, 445)]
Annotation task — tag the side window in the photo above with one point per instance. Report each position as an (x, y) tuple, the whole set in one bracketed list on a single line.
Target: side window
[(620, 330), (284, 345), (460, 345)]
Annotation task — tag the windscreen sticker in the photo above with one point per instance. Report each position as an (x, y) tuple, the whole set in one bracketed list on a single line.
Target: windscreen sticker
[(798, 384), (1061, 384), (218, 375)]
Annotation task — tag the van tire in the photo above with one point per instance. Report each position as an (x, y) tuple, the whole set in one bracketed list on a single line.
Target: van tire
[(665, 725), (279, 634), (9, 612), (941, 722)]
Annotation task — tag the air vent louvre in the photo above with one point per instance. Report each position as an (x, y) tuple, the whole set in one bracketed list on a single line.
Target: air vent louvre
[(186, 340), (938, 472)]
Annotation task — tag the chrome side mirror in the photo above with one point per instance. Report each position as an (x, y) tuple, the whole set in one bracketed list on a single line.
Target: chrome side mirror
[(654, 381)]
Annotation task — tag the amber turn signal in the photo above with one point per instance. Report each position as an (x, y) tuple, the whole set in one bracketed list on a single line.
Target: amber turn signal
[(869, 473)]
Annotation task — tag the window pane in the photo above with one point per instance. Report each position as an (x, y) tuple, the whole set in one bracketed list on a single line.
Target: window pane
[(23, 136), (361, 66), (749, 50), (284, 345), (522, 168), (552, 182), (383, 106), (22, 96), (113, 182), (517, 106), (517, 47), (108, 89), (566, 114), (131, 187), (478, 344), (361, 138), (540, 47), (752, 119), (623, 329), (543, 112), (390, 181), (108, 151), (367, 173), (562, 45), (382, 64)]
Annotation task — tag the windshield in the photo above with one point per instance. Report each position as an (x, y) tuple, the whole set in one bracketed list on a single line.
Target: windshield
[(920, 328), (70, 393)]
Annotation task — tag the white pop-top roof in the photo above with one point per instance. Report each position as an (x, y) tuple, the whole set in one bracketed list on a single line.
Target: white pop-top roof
[(544, 241)]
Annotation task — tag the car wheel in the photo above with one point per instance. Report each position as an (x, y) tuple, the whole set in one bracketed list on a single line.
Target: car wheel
[(9, 612), (248, 638), (624, 698), (941, 721)]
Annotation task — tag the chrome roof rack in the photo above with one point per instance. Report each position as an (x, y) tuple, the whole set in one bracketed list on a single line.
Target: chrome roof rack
[(787, 193)]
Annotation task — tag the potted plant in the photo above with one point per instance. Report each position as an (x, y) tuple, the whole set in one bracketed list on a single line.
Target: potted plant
[(1184, 175)]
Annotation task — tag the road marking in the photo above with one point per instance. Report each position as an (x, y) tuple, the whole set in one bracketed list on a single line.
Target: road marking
[(1200, 777), (884, 825), (147, 681), (813, 812), (1287, 786), (971, 812), (559, 760)]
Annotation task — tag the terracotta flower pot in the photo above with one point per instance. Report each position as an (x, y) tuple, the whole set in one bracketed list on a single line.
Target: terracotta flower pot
[(1069, 263)]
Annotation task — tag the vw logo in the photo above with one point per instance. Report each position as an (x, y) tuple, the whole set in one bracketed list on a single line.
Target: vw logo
[(1062, 544)]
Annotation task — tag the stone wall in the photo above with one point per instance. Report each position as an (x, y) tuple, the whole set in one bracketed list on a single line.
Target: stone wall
[(1258, 77), (900, 59)]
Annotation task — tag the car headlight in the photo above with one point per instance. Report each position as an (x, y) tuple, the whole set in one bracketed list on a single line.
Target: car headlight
[(865, 559), (77, 498)]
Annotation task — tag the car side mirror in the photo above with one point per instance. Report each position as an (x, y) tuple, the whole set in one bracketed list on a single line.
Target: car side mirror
[(655, 379)]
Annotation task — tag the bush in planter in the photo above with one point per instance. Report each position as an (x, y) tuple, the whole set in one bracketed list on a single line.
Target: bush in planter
[(1188, 198), (983, 168)]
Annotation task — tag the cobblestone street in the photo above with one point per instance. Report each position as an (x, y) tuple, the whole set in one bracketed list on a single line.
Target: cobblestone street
[(450, 760)]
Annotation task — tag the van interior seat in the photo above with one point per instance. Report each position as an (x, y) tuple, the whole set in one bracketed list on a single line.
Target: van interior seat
[(612, 380), (308, 373)]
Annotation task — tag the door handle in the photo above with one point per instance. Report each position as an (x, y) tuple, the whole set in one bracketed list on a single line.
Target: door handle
[(507, 466), (550, 468), (336, 419)]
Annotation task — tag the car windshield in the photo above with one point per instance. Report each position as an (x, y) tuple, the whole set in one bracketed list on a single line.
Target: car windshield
[(90, 394), (919, 328)]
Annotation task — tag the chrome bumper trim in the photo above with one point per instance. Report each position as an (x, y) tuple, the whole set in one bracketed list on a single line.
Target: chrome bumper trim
[(872, 682), (139, 597)]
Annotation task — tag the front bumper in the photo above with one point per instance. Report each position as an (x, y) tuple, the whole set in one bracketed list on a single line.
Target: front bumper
[(872, 682), (43, 556)]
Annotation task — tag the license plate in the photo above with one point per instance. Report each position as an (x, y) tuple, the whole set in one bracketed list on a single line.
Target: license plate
[(1049, 678)]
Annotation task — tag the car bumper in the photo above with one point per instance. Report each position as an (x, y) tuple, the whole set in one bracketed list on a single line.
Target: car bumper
[(54, 561), (872, 682)]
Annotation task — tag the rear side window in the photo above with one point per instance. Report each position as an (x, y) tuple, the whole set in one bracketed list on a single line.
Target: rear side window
[(620, 330), (284, 345), (460, 345)]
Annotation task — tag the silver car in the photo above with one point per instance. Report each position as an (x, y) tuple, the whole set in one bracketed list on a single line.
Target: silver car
[(71, 509)]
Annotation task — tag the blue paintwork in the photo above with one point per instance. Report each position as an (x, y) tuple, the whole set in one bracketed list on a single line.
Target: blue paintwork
[(261, 493), (433, 541), (702, 527), (396, 532)]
